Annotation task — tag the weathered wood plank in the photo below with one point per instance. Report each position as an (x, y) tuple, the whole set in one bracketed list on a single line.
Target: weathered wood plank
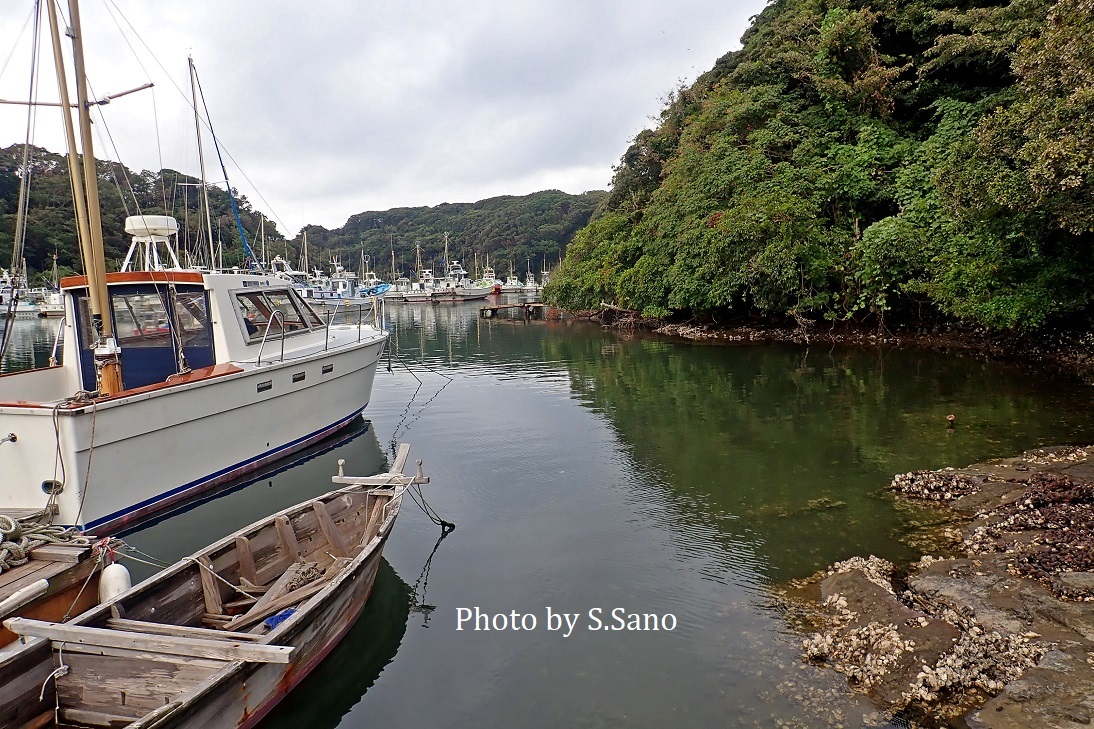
[(287, 537), (95, 718), (186, 631), (375, 519), (59, 552), (22, 596), (210, 586), (210, 664), (285, 601), (246, 560), (277, 589), (199, 647), (329, 529)]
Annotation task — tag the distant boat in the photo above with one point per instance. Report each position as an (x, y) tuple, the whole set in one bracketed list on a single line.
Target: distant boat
[(456, 286), (420, 291), (220, 637)]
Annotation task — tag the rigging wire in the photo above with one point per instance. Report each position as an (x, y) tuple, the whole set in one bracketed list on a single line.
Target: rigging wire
[(189, 103)]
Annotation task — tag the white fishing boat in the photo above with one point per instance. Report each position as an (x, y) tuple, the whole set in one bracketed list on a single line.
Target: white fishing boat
[(456, 286), (421, 291), (512, 284), (172, 380)]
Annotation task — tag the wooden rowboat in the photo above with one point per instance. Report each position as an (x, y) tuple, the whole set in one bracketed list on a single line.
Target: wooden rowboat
[(217, 639)]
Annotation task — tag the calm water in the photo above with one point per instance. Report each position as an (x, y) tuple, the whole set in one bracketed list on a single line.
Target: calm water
[(586, 469)]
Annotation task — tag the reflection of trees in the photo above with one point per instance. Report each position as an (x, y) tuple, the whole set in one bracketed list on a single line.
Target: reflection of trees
[(788, 447)]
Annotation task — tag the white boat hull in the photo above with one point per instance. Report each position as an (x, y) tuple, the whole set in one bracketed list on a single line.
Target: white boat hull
[(127, 458)]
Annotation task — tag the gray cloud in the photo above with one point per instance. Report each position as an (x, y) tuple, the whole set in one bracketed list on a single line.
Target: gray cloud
[(332, 108)]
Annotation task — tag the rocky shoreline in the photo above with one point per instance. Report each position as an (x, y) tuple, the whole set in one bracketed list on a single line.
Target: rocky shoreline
[(999, 630), (1070, 350)]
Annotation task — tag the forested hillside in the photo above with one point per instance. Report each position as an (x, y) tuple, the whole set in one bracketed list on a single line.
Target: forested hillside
[(913, 161), (528, 230)]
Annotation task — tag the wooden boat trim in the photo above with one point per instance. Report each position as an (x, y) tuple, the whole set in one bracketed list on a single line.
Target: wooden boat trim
[(70, 282), (172, 644), (197, 375)]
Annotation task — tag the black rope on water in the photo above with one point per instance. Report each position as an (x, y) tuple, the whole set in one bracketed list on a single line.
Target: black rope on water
[(417, 601), (405, 419)]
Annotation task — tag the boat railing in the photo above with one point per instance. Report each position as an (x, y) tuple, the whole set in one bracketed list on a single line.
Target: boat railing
[(56, 341), (277, 316)]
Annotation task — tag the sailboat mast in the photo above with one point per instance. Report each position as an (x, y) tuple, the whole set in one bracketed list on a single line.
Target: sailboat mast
[(201, 161), (106, 351)]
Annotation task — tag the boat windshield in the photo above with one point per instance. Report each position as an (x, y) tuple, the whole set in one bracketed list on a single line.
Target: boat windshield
[(256, 310)]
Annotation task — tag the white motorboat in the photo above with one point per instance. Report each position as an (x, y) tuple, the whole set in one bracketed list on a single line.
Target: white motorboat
[(172, 380), (456, 286)]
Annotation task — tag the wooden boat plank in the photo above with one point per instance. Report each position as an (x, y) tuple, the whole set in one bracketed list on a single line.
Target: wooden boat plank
[(126, 685), (127, 653), (330, 530), (210, 586), (142, 626), (94, 718), (275, 606), (25, 673), (287, 536), (60, 552), (197, 647), (246, 560)]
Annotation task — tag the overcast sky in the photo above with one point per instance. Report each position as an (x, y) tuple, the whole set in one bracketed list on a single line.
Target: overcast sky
[(333, 108)]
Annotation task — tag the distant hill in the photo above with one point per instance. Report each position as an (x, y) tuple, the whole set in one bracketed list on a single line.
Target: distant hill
[(527, 230)]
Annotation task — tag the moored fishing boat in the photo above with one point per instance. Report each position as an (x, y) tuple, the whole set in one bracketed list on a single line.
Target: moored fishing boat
[(172, 380), (456, 286), (220, 637)]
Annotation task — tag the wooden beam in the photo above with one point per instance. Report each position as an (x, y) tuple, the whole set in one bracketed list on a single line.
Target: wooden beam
[(246, 560), (186, 631), (21, 597), (175, 645), (82, 717), (276, 606), (59, 552), (287, 536), (209, 587), (400, 458), (329, 529), (375, 519)]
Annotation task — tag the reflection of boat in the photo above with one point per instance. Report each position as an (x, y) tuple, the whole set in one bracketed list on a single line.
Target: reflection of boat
[(172, 381), (217, 639)]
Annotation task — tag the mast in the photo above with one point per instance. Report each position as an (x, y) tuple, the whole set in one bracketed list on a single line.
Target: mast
[(107, 361), (201, 161)]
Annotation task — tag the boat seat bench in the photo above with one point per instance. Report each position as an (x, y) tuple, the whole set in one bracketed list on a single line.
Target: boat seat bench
[(173, 644)]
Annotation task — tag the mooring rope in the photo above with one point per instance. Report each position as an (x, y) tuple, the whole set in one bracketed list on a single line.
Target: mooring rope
[(18, 538)]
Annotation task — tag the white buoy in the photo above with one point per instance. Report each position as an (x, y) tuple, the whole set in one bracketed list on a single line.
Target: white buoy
[(114, 580)]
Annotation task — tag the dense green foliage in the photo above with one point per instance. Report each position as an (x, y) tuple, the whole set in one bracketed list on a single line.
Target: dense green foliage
[(51, 225), (529, 230), (915, 160)]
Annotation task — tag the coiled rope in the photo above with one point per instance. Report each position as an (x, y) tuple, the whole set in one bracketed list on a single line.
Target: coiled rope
[(18, 538)]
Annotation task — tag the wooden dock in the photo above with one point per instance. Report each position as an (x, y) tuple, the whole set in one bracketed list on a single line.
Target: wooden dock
[(71, 572), (530, 310)]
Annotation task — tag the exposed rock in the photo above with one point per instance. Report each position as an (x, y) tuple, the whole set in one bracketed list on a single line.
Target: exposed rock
[(1002, 637)]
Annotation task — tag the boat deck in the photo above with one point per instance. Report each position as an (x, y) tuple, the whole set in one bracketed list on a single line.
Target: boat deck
[(73, 587)]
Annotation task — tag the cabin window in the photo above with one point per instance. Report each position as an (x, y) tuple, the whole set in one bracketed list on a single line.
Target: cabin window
[(140, 320), (192, 317), (256, 309)]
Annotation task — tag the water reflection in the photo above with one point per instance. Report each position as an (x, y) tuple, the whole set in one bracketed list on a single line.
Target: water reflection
[(304, 475), (30, 343), (332, 693), (589, 469)]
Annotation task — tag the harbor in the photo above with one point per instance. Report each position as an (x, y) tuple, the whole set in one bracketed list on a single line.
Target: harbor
[(585, 484)]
